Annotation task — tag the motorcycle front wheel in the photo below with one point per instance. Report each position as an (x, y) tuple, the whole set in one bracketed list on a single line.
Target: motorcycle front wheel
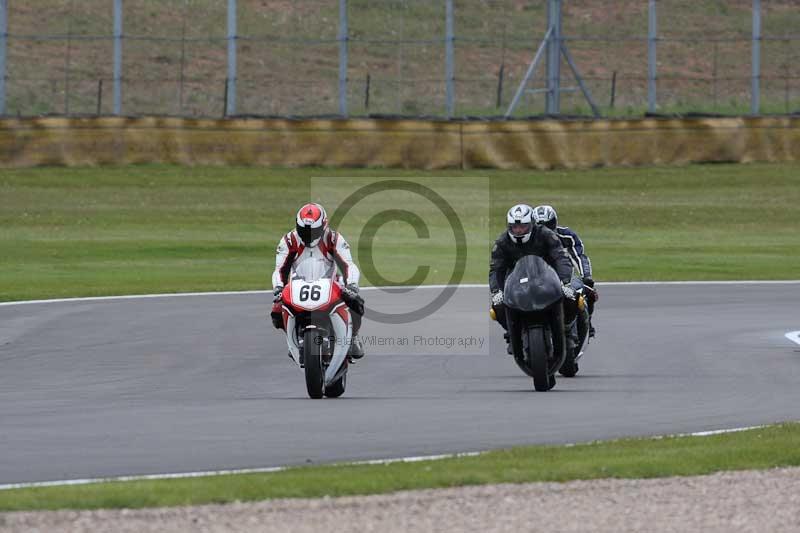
[(538, 359), (312, 355)]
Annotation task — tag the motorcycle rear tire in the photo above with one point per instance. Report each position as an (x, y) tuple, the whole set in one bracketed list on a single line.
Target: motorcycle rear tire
[(538, 359), (312, 355)]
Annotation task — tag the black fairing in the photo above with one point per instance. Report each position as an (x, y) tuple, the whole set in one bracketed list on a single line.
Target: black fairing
[(532, 286)]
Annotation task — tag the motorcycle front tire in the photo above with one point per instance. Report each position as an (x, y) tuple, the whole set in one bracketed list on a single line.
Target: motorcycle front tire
[(538, 359), (312, 355)]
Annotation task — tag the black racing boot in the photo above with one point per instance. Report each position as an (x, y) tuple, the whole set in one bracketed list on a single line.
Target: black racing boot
[(572, 343), (570, 366), (301, 359), (509, 350), (356, 350)]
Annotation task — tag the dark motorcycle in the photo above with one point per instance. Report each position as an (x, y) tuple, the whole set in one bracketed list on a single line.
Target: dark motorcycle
[(532, 297)]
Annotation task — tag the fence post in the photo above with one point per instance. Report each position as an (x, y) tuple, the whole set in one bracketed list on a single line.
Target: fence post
[(755, 85), (117, 57), (183, 57), (449, 59), (343, 38), (68, 62), (230, 82), (553, 95), (652, 67), (3, 42)]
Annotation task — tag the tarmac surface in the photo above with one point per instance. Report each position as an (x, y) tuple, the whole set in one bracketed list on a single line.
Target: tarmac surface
[(193, 383)]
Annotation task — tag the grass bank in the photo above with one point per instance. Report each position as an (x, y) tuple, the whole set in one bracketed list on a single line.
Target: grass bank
[(775, 446), (68, 232)]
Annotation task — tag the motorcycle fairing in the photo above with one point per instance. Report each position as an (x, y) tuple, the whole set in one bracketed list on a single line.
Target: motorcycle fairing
[(342, 328), (291, 334), (532, 285)]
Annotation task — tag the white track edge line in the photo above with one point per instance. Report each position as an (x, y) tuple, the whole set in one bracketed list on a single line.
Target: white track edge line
[(794, 336), (462, 286), (267, 470)]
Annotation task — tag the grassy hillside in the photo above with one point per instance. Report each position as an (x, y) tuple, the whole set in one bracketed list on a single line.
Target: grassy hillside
[(141, 229), (174, 55)]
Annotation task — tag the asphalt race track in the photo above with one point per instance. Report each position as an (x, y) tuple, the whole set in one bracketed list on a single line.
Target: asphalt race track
[(178, 384)]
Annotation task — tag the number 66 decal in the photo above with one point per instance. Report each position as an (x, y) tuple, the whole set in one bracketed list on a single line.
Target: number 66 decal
[(311, 292), (311, 295)]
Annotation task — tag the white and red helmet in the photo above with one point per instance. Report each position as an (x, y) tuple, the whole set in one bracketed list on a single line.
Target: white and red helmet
[(312, 221)]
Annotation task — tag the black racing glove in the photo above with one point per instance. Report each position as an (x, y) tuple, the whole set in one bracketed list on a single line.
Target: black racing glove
[(276, 293), (592, 292), (351, 290)]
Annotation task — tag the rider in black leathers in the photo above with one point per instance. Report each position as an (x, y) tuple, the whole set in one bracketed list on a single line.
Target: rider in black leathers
[(547, 216), (524, 237)]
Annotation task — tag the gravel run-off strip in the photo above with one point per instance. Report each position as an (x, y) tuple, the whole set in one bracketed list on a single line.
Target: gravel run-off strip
[(731, 501)]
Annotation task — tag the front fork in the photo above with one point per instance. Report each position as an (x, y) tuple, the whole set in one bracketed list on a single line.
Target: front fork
[(292, 341), (342, 326)]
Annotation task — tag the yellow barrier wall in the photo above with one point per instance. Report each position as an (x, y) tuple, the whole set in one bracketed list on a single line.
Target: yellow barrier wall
[(574, 144), (396, 143)]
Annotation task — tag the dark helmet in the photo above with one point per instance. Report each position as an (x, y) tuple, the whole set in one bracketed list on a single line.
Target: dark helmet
[(546, 215)]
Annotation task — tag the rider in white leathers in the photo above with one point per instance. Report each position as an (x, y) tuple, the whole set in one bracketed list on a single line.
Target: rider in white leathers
[(313, 239)]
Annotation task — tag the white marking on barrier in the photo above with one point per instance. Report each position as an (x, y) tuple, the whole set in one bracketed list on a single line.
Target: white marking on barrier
[(461, 286), (794, 336)]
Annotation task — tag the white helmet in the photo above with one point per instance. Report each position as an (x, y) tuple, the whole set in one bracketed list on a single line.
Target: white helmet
[(546, 215), (312, 221), (520, 223)]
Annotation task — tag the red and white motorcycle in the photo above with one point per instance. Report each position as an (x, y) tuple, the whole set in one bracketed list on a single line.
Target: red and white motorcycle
[(318, 326)]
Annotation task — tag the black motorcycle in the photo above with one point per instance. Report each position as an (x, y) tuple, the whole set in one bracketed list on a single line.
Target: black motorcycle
[(532, 297)]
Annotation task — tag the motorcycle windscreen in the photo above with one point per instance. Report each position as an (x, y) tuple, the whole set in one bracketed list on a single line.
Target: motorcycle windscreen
[(312, 269), (532, 285)]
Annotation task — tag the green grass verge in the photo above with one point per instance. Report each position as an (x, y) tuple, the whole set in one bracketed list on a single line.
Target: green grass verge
[(120, 230), (775, 446)]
